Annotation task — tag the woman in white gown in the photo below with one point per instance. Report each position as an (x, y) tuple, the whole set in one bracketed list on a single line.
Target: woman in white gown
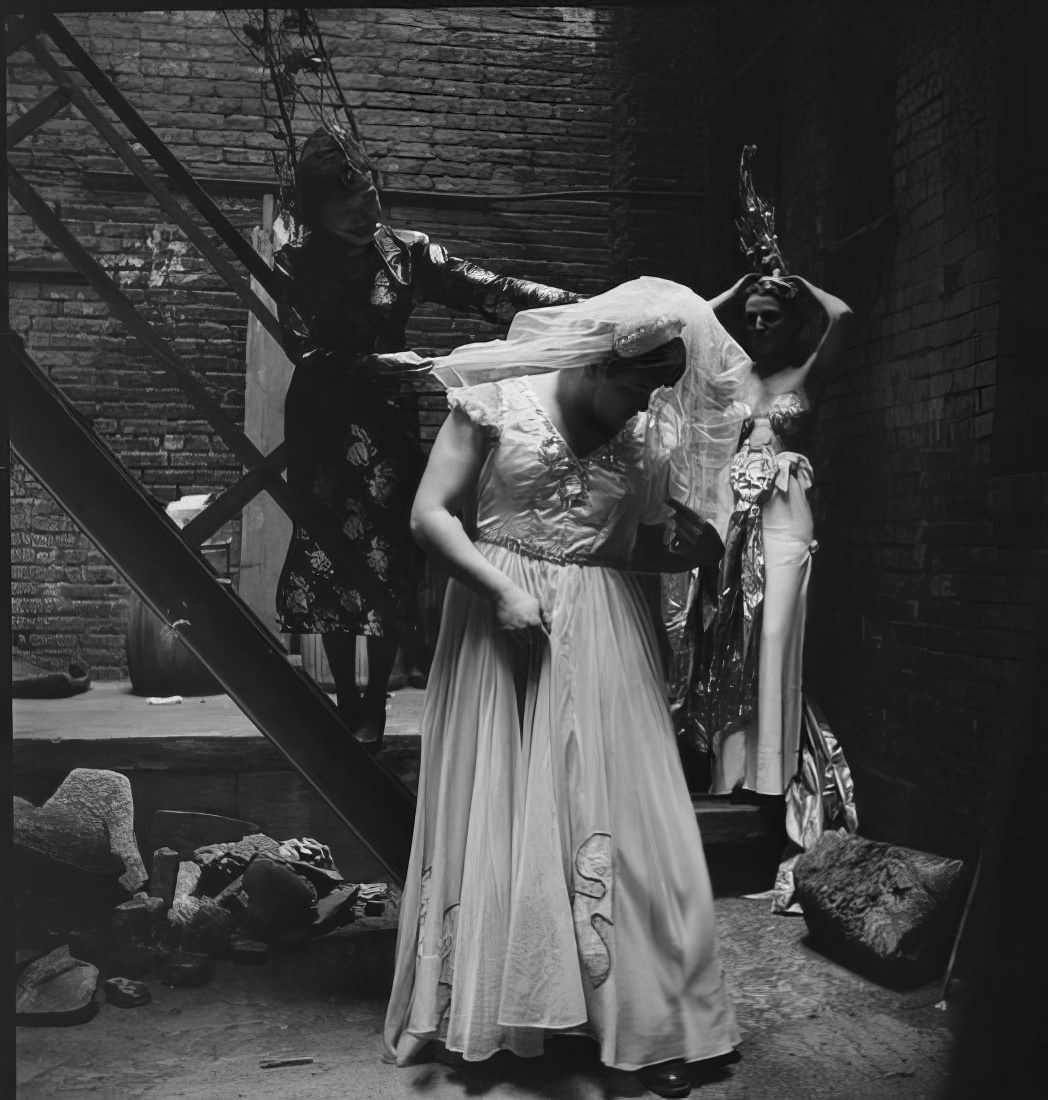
[(750, 687), (557, 881)]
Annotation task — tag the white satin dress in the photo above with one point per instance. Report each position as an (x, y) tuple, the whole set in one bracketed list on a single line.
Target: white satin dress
[(557, 880)]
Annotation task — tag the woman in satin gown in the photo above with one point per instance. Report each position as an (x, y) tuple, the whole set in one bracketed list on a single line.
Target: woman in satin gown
[(747, 687), (557, 881)]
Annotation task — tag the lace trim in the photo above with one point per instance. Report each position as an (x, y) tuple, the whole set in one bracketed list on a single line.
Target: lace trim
[(548, 553), (484, 404)]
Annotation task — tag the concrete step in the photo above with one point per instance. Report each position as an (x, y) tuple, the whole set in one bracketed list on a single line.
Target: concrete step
[(204, 756)]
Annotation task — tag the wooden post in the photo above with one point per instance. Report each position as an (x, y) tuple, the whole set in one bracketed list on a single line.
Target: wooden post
[(265, 529)]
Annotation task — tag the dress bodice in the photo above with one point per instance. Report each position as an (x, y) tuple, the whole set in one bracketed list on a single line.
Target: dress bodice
[(786, 414), (535, 496)]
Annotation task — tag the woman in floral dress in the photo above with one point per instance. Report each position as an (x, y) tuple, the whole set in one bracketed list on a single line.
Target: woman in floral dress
[(347, 292)]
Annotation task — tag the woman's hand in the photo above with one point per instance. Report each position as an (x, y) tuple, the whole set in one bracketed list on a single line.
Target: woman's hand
[(400, 364), (517, 610), (694, 539)]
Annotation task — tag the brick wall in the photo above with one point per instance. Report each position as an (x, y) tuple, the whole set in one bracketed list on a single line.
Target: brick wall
[(495, 101), (881, 138), (922, 626)]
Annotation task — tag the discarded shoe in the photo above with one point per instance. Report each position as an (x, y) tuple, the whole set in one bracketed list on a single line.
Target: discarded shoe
[(666, 1079)]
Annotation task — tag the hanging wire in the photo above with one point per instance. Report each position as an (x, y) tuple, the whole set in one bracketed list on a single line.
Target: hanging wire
[(297, 78)]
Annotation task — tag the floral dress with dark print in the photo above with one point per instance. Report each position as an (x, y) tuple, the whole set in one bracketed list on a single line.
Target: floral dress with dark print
[(351, 449)]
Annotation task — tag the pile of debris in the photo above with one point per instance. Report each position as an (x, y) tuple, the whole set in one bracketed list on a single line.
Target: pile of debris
[(77, 862)]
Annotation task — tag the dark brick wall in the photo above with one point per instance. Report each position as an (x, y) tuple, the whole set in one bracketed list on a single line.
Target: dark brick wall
[(922, 627), (898, 145), (496, 101)]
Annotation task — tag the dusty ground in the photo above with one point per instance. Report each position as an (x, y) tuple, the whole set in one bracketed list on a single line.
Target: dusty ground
[(811, 1029)]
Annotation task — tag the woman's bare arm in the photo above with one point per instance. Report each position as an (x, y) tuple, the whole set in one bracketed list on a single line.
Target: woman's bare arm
[(450, 477)]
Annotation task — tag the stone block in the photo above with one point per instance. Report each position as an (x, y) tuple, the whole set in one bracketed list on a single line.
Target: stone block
[(164, 875), (56, 991), (87, 823), (138, 920)]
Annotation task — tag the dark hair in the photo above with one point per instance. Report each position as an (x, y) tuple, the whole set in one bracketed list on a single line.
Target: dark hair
[(329, 160), (783, 290)]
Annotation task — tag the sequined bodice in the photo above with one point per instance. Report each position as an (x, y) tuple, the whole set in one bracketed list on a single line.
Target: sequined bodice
[(535, 496), (787, 415)]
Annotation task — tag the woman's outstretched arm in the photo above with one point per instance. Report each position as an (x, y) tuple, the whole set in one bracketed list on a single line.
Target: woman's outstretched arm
[(450, 478)]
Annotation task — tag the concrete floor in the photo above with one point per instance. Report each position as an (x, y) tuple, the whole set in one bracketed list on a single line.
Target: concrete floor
[(109, 710), (811, 1029)]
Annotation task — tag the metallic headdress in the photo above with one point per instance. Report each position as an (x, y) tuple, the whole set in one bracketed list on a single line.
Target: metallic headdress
[(756, 225)]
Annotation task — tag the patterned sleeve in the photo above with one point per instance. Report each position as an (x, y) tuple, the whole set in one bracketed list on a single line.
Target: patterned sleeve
[(483, 404)]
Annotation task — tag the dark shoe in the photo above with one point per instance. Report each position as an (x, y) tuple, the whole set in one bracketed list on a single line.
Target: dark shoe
[(372, 724), (417, 678), (666, 1079), (712, 1067)]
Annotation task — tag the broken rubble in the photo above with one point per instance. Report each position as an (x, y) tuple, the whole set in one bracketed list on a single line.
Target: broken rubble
[(245, 950), (164, 875), (134, 961), (207, 926), (186, 830), (281, 904), (56, 991), (188, 968), (183, 904), (336, 909), (125, 993), (87, 822), (138, 919)]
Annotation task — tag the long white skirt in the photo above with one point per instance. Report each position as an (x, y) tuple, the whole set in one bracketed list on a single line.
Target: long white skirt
[(557, 880), (763, 756)]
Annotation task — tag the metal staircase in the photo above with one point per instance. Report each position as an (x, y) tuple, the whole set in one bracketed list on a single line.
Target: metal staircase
[(160, 562)]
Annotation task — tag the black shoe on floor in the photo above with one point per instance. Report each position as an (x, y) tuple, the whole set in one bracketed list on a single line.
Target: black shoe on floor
[(666, 1079), (716, 1063)]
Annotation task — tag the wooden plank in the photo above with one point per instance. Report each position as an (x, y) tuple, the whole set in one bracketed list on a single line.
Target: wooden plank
[(208, 754), (187, 830), (234, 499), (177, 790), (265, 532), (724, 822)]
